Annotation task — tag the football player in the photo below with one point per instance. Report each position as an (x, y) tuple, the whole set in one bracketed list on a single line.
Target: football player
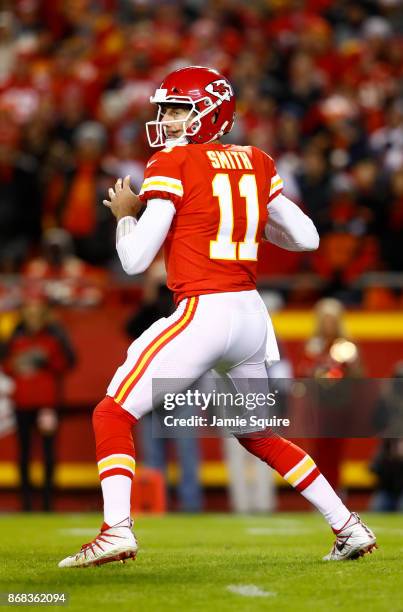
[(210, 204)]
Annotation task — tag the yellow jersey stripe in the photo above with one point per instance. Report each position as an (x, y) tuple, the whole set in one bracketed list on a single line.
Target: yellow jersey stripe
[(161, 177), (161, 184), (276, 185)]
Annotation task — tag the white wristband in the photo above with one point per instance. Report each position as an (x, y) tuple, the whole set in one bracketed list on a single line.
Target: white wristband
[(125, 227)]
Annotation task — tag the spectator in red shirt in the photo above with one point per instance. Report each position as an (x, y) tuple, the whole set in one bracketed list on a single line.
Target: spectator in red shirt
[(36, 357)]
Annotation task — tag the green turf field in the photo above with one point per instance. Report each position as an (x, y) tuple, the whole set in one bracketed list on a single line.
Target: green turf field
[(217, 562)]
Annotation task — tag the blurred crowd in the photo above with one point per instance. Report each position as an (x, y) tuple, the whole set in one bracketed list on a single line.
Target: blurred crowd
[(318, 87)]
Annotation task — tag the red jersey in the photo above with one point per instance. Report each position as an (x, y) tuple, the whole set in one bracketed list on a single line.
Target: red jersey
[(35, 362), (220, 193)]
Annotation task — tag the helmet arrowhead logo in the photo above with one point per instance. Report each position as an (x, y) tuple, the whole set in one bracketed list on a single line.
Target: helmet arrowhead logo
[(221, 89)]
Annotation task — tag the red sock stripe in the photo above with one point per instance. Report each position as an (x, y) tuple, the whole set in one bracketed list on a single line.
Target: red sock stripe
[(308, 480), (116, 472), (154, 348)]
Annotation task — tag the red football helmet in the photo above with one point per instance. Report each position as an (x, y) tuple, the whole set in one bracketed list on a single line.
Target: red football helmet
[(211, 103)]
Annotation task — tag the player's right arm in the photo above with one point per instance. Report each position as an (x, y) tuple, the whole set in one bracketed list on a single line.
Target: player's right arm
[(138, 242)]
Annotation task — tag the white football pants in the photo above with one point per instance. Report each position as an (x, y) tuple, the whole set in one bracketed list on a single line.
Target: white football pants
[(230, 332)]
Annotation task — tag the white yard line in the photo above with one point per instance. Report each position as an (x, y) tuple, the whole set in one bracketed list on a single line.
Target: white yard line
[(249, 590)]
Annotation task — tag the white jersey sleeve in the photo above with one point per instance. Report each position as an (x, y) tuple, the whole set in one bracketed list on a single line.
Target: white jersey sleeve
[(138, 242), (288, 227)]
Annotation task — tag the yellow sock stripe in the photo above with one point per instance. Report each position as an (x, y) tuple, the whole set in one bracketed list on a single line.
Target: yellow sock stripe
[(114, 461), (154, 347), (300, 471)]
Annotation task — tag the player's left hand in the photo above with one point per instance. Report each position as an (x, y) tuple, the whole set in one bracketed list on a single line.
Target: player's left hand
[(122, 201)]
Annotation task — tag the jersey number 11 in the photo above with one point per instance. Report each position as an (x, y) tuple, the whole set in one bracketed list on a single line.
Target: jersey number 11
[(223, 246)]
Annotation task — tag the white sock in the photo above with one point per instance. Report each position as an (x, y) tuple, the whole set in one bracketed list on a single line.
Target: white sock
[(325, 499), (116, 491)]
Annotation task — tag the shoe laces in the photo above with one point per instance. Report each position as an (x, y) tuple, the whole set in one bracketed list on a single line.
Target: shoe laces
[(89, 546)]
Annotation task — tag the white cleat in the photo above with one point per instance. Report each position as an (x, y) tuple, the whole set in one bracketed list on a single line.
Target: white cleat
[(354, 540), (116, 543)]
